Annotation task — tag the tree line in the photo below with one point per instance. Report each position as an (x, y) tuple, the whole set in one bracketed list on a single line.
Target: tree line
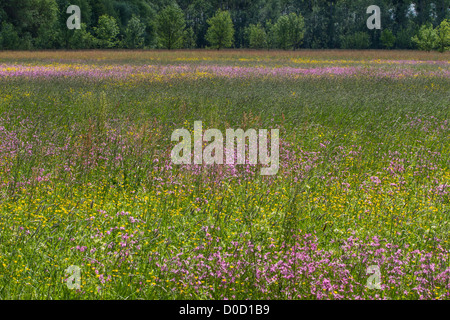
[(258, 24)]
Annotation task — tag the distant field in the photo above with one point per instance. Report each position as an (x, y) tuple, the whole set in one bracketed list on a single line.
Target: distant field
[(86, 177), (136, 56)]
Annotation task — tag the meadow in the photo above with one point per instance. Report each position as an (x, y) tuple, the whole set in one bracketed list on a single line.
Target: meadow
[(86, 177)]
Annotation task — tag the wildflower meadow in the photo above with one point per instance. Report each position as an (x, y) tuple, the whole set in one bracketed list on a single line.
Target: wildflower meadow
[(93, 207)]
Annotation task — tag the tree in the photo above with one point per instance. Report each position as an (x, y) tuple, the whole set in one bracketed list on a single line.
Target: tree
[(82, 39), (317, 27), (9, 39), (197, 12), (296, 29), (189, 38), (257, 36), (427, 38), (387, 38), (107, 31), (44, 21), (443, 32), (289, 31), (423, 11), (134, 33), (171, 25), (220, 33), (326, 23), (271, 36), (280, 31), (403, 38)]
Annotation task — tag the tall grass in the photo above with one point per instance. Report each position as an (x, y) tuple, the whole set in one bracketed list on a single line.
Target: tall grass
[(86, 180)]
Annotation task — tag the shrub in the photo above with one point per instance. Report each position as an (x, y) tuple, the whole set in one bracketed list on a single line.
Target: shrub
[(443, 32), (427, 38), (387, 38)]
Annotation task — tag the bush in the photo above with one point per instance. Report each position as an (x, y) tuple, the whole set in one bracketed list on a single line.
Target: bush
[(358, 40), (171, 25), (257, 36), (387, 38), (9, 39), (107, 31), (26, 42), (427, 38)]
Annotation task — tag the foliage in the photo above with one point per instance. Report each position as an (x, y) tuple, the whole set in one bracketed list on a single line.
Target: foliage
[(44, 15), (426, 38), (189, 38), (387, 38), (271, 36), (221, 31), (82, 39), (134, 33), (443, 32), (403, 38), (170, 26), (319, 24), (358, 40), (86, 177), (257, 36), (107, 31), (9, 39), (289, 31), (296, 30)]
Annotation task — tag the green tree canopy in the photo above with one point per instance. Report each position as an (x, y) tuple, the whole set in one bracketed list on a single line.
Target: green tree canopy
[(171, 25), (82, 39), (220, 33), (387, 38), (357, 40), (107, 31), (287, 24), (257, 36), (427, 38), (443, 32), (9, 39), (134, 33), (289, 31)]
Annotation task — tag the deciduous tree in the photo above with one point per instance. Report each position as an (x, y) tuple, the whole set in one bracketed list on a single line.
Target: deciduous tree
[(171, 25), (107, 31), (221, 31)]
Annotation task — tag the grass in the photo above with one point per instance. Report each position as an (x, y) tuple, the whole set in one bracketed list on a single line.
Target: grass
[(86, 177), (139, 56)]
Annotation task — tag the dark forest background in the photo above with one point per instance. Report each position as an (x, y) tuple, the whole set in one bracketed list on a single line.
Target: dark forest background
[(316, 24)]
